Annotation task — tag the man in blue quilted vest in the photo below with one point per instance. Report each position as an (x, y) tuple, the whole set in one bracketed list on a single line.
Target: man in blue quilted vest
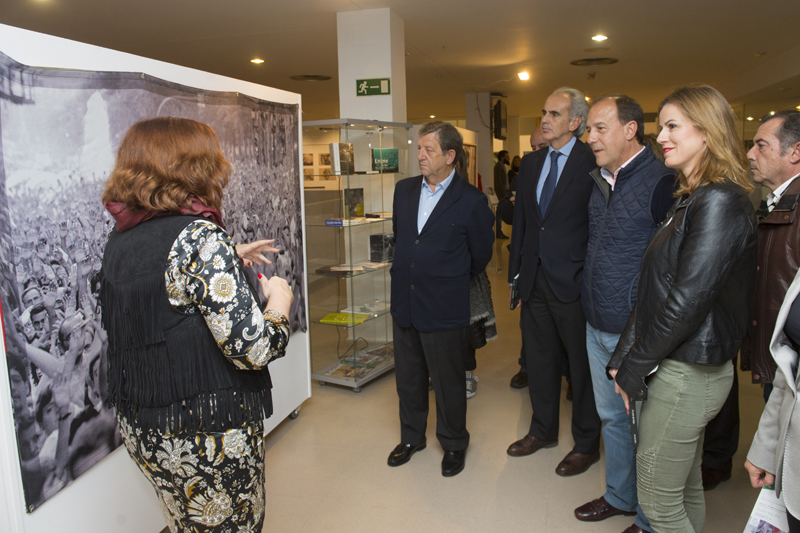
[(632, 195)]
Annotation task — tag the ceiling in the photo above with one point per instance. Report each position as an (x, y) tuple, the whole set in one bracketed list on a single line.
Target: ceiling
[(455, 46)]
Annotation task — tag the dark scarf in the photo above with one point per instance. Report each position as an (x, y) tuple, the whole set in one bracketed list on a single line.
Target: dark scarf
[(126, 219)]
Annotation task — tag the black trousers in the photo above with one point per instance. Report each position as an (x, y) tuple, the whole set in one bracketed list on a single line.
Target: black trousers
[(440, 355), (722, 432), (551, 327)]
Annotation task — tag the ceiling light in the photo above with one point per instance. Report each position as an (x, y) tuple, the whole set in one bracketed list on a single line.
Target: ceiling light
[(257, 61), (587, 98), (798, 107), (749, 118), (524, 76), (433, 116), (599, 38), (772, 112)]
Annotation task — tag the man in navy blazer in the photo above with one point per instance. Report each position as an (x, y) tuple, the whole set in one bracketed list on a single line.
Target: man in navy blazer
[(548, 248), (444, 234)]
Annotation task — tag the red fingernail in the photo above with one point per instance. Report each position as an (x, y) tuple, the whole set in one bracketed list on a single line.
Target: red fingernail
[(260, 276)]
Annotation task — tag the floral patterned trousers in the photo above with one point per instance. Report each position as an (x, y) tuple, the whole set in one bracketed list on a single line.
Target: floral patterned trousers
[(205, 482)]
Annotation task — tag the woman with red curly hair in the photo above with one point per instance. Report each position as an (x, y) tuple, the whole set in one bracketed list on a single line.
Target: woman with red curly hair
[(188, 344)]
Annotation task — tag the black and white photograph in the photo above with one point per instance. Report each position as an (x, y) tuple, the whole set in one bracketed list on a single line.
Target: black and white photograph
[(308, 160), (325, 159), (59, 130)]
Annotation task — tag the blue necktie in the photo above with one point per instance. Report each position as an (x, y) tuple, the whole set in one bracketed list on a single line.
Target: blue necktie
[(549, 183)]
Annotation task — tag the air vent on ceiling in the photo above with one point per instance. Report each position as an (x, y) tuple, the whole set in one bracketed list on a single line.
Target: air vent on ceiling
[(310, 77), (592, 61)]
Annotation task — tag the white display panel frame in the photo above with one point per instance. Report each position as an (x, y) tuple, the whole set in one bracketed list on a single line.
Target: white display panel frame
[(113, 495)]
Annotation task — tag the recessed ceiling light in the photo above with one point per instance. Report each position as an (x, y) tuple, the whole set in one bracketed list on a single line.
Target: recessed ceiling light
[(599, 38), (772, 112), (587, 98), (524, 76), (433, 116), (749, 118), (257, 61), (798, 107)]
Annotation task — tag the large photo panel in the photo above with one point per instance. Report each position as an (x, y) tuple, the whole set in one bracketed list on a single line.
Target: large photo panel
[(59, 130)]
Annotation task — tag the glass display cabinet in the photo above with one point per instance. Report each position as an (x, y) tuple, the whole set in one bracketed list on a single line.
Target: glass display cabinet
[(350, 170)]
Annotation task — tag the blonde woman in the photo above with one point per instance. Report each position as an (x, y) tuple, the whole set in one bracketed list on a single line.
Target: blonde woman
[(691, 310)]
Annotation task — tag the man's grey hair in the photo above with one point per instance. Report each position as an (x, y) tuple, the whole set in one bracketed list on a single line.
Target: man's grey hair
[(577, 106), (446, 134), (789, 132)]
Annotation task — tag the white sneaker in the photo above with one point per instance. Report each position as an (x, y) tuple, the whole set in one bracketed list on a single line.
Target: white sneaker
[(472, 386)]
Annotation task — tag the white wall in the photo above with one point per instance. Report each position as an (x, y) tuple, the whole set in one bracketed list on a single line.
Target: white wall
[(113, 496)]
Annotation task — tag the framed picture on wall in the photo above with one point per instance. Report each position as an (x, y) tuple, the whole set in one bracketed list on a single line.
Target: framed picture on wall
[(308, 160), (325, 159), (471, 152)]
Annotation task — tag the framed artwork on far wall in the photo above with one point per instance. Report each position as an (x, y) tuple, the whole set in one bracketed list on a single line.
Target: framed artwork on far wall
[(471, 152)]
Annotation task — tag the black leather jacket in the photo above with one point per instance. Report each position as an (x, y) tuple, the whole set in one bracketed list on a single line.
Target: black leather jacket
[(694, 287)]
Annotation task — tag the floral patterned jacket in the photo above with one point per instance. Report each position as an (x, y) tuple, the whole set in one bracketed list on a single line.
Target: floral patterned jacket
[(203, 275)]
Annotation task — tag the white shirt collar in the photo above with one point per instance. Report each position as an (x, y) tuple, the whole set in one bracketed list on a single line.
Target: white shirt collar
[(774, 197), (612, 178)]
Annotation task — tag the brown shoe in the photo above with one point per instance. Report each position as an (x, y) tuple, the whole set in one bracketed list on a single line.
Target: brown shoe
[(713, 477), (576, 463), (599, 509), (528, 445), (635, 529)]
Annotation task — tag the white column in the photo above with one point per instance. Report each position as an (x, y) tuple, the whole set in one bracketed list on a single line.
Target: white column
[(478, 107), (372, 45)]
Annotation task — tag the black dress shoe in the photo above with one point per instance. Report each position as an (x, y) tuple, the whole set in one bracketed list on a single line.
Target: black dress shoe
[(453, 462), (528, 445), (520, 380), (599, 509), (402, 453), (576, 463)]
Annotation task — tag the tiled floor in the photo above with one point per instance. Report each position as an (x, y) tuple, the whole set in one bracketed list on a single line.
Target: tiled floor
[(327, 472)]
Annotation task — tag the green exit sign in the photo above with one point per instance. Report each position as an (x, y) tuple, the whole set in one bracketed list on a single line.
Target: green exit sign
[(373, 87)]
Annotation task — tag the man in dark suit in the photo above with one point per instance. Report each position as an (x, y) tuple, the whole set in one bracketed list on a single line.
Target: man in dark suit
[(548, 248), (443, 230)]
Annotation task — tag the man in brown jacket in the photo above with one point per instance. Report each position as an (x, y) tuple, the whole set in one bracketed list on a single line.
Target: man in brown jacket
[(775, 163)]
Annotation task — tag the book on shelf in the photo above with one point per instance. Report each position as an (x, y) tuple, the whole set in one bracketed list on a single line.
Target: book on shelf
[(381, 247), (385, 350), (346, 370), (342, 158), (354, 203), (364, 359), (340, 268), (374, 307), (345, 221), (344, 319), (384, 215), (386, 159), (371, 265)]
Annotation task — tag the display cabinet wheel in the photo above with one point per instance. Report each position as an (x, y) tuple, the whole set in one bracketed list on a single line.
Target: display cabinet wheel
[(357, 389), (323, 383), (294, 414)]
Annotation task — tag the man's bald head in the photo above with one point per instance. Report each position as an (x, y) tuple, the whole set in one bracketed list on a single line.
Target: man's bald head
[(537, 140)]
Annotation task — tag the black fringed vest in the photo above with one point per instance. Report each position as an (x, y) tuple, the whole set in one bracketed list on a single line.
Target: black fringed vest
[(165, 370)]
